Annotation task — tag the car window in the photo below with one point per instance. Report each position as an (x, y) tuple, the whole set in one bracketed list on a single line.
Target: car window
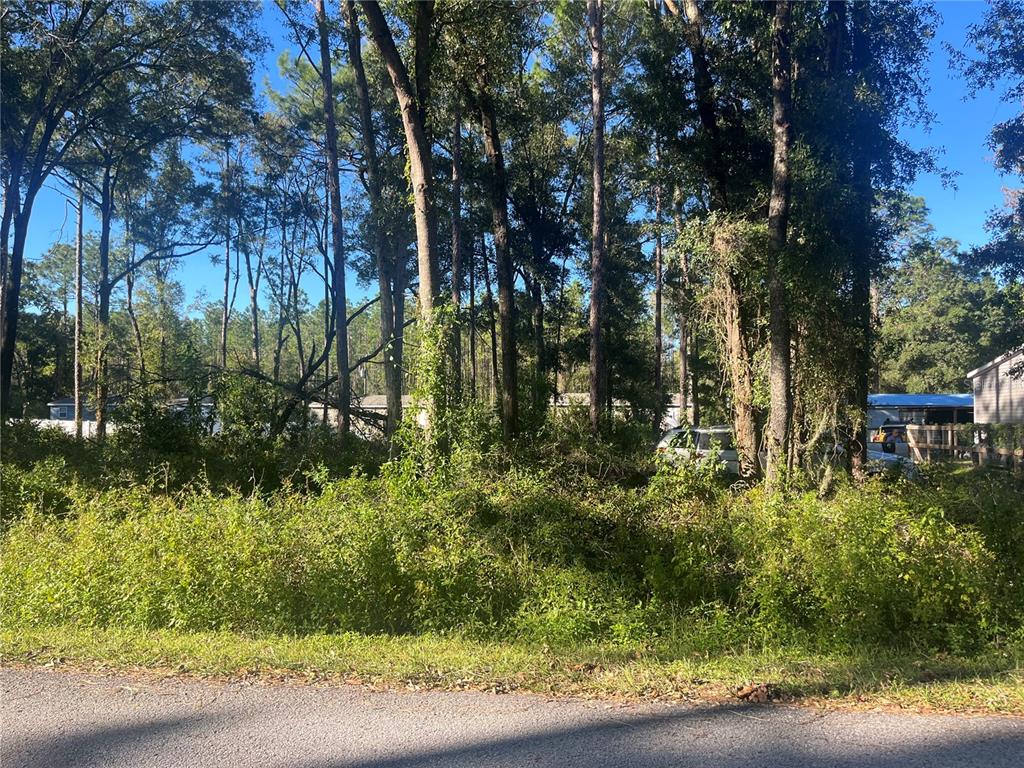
[(720, 440), (894, 432), (703, 440)]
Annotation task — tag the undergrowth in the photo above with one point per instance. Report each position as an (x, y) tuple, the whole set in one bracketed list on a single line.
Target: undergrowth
[(557, 540)]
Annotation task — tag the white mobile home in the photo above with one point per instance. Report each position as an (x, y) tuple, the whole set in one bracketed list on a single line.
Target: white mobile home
[(999, 389), (919, 409)]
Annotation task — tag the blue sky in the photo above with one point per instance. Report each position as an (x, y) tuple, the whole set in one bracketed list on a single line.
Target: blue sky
[(960, 131)]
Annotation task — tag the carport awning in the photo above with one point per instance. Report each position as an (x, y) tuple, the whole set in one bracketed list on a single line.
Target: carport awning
[(920, 401)]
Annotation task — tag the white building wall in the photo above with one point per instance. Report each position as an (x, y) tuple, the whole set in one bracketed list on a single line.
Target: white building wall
[(88, 427), (998, 397)]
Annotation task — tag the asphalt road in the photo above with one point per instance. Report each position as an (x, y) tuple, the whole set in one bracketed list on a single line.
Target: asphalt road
[(54, 718)]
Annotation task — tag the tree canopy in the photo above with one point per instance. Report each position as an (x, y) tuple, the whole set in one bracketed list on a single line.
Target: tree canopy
[(694, 203)]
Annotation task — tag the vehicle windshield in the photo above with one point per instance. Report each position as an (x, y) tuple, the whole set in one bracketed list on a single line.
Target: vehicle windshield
[(703, 440), (896, 432)]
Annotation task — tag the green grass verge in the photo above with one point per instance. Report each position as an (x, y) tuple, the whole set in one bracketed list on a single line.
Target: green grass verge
[(992, 682)]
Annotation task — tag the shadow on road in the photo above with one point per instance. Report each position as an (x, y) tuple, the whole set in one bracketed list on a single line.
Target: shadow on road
[(717, 736), (114, 744)]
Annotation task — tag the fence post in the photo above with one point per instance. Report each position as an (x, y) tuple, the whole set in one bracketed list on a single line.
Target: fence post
[(913, 434)]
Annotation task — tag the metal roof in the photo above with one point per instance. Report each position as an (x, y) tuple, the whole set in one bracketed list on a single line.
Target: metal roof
[(886, 400)]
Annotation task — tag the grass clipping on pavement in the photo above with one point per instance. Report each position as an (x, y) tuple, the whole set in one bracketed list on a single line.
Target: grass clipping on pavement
[(990, 683)]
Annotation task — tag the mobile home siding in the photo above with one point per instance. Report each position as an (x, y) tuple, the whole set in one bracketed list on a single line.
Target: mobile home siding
[(998, 398)]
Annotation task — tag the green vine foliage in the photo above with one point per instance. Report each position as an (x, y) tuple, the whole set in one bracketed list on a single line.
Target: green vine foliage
[(446, 433)]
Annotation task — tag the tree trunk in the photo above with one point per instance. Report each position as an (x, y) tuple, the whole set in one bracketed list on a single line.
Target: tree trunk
[(294, 281), (798, 407), (238, 272), (739, 358), (683, 312), (12, 199), (862, 224), (254, 314), (835, 38), (79, 307), (494, 333), (12, 302), (741, 374), (103, 319), (414, 110), (473, 320), (226, 307), (337, 245), (392, 376), (742, 378), (253, 282), (540, 384), (140, 348), (282, 307), (418, 147), (400, 279), (60, 348), (161, 293), (457, 242), (659, 393), (129, 278), (684, 368), (560, 376), (328, 317), (597, 246), (535, 286), (780, 420), (503, 262), (694, 357)]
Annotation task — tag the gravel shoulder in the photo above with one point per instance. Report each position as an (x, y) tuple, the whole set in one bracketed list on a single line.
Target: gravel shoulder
[(53, 718)]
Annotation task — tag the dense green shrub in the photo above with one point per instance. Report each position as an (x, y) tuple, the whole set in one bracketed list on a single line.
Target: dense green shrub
[(42, 488), (866, 565), (167, 454), (546, 550), (292, 562), (576, 605)]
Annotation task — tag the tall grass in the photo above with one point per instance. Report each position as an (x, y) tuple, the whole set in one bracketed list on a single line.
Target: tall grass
[(542, 545)]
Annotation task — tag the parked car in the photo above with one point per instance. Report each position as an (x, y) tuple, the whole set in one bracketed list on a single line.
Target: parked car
[(701, 443), (889, 462)]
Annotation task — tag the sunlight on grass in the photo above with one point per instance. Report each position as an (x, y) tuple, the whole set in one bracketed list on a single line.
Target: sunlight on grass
[(991, 682)]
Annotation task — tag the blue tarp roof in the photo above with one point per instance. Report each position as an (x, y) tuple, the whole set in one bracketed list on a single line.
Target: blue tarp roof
[(920, 401)]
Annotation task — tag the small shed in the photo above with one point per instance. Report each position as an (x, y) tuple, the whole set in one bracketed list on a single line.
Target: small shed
[(920, 409), (999, 389)]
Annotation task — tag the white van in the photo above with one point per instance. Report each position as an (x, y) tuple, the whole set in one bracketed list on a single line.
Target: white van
[(700, 443)]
